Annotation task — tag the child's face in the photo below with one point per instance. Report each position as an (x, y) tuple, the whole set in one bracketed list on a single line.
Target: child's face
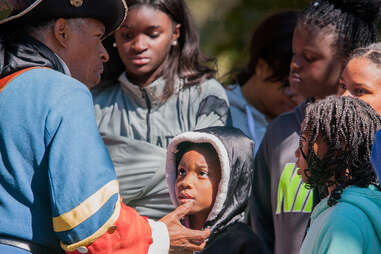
[(198, 177), (315, 67), (362, 78), (144, 42)]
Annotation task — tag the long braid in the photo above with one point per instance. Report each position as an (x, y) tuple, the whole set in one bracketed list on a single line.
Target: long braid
[(348, 126)]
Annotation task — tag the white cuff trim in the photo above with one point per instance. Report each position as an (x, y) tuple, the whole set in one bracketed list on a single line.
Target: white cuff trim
[(160, 238)]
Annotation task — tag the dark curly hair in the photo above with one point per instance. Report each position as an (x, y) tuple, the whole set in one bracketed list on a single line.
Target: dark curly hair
[(354, 22), (347, 126)]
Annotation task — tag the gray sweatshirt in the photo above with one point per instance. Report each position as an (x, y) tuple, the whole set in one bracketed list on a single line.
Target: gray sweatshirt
[(280, 205), (137, 126)]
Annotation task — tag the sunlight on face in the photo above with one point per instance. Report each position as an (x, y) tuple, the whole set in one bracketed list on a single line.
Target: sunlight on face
[(86, 53), (362, 78), (315, 68), (144, 42), (198, 177)]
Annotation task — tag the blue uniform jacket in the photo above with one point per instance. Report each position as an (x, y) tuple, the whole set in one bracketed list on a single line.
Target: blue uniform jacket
[(57, 182)]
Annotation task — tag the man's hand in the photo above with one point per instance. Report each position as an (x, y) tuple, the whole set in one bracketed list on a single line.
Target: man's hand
[(182, 238)]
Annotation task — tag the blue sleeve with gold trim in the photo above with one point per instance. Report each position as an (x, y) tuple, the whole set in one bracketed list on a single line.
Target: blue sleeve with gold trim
[(83, 187)]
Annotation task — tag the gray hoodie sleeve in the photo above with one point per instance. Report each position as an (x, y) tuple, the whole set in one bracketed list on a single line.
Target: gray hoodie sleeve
[(260, 202), (213, 106)]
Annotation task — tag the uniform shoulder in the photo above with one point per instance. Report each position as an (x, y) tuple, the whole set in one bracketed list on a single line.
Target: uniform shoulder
[(51, 82), (50, 74)]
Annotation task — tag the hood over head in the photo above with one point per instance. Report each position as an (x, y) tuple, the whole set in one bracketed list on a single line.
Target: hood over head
[(235, 153)]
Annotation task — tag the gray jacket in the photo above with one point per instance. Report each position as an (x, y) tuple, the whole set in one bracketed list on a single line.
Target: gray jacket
[(137, 126), (280, 205)]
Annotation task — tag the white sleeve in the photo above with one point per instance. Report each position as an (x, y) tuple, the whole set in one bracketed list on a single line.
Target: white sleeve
[(160, 238)]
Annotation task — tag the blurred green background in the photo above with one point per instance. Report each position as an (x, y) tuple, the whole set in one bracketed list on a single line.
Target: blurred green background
[(226, 26)]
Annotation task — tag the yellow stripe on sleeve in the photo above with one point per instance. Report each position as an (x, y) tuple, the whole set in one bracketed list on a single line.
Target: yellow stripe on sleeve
[(102, 230), (86, 209)]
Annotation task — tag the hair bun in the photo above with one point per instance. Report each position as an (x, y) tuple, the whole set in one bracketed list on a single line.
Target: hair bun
[(368, 10)]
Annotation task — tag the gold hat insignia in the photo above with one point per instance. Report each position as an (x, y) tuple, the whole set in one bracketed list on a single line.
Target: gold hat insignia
[(76, 3)]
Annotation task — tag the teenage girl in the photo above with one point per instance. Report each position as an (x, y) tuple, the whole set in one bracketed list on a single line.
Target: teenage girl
[(361, 78), (166, 88), (362, 75), (334, 158), (325, 35)]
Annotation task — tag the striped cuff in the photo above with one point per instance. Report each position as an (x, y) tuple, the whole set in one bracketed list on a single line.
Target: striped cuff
[(88, 210)]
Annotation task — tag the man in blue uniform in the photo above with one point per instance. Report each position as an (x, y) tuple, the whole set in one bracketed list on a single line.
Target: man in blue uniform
[(58, 189)]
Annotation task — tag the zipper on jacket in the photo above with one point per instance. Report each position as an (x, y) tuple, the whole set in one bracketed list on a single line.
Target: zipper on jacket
[(145, 96)]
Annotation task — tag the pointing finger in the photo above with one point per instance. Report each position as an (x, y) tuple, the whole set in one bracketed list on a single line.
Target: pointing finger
[(183, 210)]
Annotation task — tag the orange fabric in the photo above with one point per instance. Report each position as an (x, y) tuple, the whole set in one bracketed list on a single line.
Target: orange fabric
[(132, 235), (5, 81)]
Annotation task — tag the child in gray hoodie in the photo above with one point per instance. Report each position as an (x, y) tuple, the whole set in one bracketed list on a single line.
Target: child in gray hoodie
[(213, 168)]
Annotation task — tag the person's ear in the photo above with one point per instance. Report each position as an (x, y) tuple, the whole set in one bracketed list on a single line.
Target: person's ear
[(62, 32), (176, 35)]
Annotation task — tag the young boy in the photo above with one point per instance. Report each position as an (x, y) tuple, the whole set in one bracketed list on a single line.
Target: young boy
[(213, 168), (334, 157)]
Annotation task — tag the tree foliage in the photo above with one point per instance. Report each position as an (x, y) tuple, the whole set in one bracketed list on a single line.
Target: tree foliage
[(226, 26)]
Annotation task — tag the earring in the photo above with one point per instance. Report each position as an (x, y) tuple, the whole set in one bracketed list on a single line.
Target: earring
[(174, 43), (114, 44)]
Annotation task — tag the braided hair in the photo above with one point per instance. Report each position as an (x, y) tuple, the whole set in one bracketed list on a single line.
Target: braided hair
[(354, 22), (348, 126), (371, 52)]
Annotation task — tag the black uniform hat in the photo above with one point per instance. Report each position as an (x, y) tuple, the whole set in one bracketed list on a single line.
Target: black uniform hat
[(110, 12)]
